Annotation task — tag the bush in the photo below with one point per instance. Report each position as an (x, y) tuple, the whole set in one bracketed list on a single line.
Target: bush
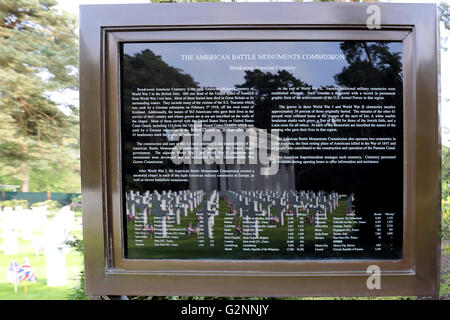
[(15, 203), (76, 199), (445, 189), (445, 224), (76, 203), (52, 205), (78, 291)]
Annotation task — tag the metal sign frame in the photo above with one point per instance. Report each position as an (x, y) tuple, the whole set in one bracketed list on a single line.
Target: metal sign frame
[(104, 27)]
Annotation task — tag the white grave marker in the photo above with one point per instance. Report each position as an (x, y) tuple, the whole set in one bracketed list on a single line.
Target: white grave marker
[(54, 255)]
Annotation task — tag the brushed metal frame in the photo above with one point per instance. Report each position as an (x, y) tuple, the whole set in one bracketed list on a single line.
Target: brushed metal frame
[(103, 28)]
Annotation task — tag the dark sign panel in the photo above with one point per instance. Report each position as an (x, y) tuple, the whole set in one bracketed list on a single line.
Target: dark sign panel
[(262, 150)]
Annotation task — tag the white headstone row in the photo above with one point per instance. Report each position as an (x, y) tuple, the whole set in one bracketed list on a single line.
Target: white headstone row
[(162, 204), (174, 204), (19, 222), (251, 203)]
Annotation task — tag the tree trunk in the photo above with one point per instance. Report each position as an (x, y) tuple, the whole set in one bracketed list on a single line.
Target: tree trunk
[(366, 48), (25, 171)]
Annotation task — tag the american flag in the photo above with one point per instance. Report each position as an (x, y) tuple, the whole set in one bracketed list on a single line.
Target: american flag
[(26, 273), (13, 273)]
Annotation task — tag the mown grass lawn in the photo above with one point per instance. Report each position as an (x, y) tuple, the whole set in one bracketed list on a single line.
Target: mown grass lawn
[(37, 290)]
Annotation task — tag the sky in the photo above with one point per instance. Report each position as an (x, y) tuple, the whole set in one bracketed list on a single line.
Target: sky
[(205, 73), (71, 97), (314, 72)]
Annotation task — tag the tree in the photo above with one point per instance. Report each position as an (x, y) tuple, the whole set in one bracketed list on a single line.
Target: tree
[(444, 14), (264, 83), (38, 55), (445, 175), (145, 69), (369, 65)]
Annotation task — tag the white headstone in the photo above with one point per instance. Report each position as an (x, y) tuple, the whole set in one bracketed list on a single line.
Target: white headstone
[(163, 227), (10, 245), (54, 255), (26, 225)]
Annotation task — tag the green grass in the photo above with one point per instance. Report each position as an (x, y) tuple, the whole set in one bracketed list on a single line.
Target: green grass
[(447, 249), (40, 291), (37, 290), (445, 285)]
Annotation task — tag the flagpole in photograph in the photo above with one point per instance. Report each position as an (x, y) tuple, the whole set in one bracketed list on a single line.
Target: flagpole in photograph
[(12, 274)]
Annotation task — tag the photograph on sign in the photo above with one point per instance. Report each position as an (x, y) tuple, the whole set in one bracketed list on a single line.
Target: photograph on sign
[(263, 150)]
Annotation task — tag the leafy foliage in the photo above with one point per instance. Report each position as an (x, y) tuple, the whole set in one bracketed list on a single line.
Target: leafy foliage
[(265, 83), (38, 55), (147, 68), (14, 203), (445, 223), (78, 291), (444, 14), (445, 175), (76, 203), (52, 205), (370, 64)]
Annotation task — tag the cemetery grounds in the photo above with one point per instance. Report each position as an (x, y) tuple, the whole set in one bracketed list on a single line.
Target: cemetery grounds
[(188, 248), (39, 290), (74, 261)]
